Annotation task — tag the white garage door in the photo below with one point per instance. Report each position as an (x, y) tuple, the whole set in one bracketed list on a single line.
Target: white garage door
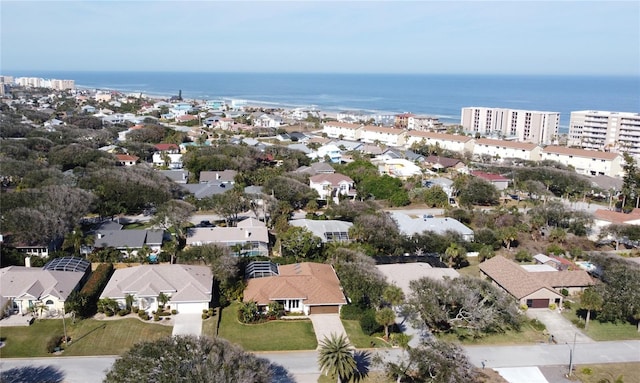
[(191, 308)]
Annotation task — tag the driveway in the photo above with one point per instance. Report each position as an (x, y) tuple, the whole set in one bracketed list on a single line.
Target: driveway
[(560, 327), (326, 324), (187, 324)]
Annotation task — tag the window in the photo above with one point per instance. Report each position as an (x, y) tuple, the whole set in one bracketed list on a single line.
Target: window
[(48, 302), (529, 302), (294, 304)]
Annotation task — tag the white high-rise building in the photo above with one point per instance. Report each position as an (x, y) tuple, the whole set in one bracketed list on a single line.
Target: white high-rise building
[(606, 131), (523, 125)]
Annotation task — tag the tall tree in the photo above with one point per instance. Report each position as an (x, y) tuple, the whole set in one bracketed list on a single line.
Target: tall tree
[(174, 214), (393, 295), (336, 359), (591, 300), (386, 317)]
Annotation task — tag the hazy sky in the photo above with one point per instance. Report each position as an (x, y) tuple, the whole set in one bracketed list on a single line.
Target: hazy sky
[(505, 37)]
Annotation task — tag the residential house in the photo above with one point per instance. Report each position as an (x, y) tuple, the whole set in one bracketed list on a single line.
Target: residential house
[(501, 149), (440, 163), (267, 121), (316, 168), (409, 226), (330, 151), (500, 182), (536, 289), (307, 288), (604, 218), (327, 230), (452, 142), (129, 242), (167, 155), (189, 288), (402, 274), (382, 135), (24, 288), (250, 238), (348, 146), (126, 159), (353, 116), (224, 176), (587, 162), (332, 186), (445, 183), (180, 109), (177, 176), (398, 168), (88, 109), (206, 189), (342, 130)]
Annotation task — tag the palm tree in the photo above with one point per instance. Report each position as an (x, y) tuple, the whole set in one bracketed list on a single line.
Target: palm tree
[(386, 317), (591, 300), (163, 299), (393, 295), (336, 358), (452, 253)]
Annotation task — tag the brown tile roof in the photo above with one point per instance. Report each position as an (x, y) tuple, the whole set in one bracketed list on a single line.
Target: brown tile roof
[(333, 178), (316, 283), (559, 279), (126, 157), (439, 136), (615, 216), (579, 152), (489, 176), (506, 144), (383, 129), (446, 162), (511, 277), (343, 125)]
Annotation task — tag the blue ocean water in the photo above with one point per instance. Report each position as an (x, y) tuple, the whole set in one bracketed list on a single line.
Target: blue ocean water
[(438, 95)]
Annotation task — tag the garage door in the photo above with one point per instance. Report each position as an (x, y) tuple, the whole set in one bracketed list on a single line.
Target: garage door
[(538, 303), (324, 309), (190, 308)]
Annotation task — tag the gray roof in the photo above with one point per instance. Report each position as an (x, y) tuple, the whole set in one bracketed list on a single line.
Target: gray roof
[(411, 226), (348, 145), (253, 189), (300, 147), (218, 176), (184, 283), (606, 182), (20, 281), (134, 239), (316, 168), (226, 235), (400, 274), (205, 190), (319, 228), (175, 175)]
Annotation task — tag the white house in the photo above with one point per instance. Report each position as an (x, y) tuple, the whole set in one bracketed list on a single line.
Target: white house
[(398, 168), (410, 226), (587, 162), (331, 151), (383, 135), (332, 186), (501, 149), (189, 288), (267, 121), (452, 142), (342, 130)]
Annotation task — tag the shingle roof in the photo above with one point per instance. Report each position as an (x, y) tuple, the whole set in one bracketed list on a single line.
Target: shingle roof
[(559, 279), (506, 144), (333, 178), (446, 162), (439, 136), (511, 277), (204, 235), (316, 283), (580, 152), (616, 216), (343, 125), (185, 283), (16, 281)]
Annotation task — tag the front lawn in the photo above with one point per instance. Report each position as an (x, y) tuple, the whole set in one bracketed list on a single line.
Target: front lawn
[(88, 337), (600, 331), (278, 335), (596, 373), (358, 338), (527, 335)]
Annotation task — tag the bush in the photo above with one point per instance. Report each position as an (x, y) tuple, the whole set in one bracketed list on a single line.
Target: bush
[(174, 312), (94, 286), (142, 313), (566, 304), (578, 323), (205, 311), (163, 313), (524, 307), (54, 343), (536, 324), (587, 371), (368, 322), (123, 312), (564, 292), (205, 316), (135, 309), (108, 313), (553, 307), (156, 318), (351, 312)]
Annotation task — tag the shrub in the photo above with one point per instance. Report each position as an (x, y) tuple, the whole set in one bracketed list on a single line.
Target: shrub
[(123, 312), (553, 307), (108, 313), (578, 323), (566, 304), (524, 307), (142, 313), (145, 317), (205, 311), (205, 316), (156, 318), (94, 286), (523, 256), (135, 309), (54, 343), (564, 292), (536, 324), (587, 371), (163, 313), (174, 312), (351, 312), (368, 322)]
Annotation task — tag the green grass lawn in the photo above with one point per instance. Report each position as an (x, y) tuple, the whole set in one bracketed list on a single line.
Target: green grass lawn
[(358, 338), (605, 331), (89, 337), (596, 373), (270, 336), (473, 270)]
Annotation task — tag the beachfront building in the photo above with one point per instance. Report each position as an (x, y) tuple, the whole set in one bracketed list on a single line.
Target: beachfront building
[(524, 125), (401, 121), (587, 162), (381, 135), (606, 131), (501, 149), (353, 116), (342, 130), (424, 123), (452, 142)]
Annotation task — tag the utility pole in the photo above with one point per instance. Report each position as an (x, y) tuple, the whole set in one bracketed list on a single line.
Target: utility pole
[(64, 326), (571, 354)]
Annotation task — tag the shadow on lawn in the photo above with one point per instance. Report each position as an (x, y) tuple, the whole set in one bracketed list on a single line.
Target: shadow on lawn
[(281, 374), (44, 374), (102, 326)]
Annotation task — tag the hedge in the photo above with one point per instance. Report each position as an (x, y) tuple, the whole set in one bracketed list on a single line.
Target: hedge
[(94, 286)]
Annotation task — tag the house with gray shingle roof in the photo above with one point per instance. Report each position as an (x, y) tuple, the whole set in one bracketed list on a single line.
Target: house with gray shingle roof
[(188, 287), (327, 230), (129, 242), (249, 238)]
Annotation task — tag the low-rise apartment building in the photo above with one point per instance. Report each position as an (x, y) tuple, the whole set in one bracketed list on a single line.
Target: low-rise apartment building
[(587, 162), (342, 130), (382, 135), (500, 149), (452, 142)]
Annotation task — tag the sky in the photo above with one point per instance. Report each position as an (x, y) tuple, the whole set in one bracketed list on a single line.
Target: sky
[(432, 37)]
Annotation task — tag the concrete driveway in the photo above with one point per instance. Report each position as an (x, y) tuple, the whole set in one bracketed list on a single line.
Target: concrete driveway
[(187, 324), (560, 327), (326, 324)]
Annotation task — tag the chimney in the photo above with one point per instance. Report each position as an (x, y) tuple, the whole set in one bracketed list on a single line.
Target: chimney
[(27, 261)]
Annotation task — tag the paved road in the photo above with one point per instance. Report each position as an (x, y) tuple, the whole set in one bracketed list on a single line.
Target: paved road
[(304, 367)]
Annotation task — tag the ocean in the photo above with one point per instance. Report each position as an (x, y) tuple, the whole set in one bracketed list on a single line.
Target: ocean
[(442, 96)]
